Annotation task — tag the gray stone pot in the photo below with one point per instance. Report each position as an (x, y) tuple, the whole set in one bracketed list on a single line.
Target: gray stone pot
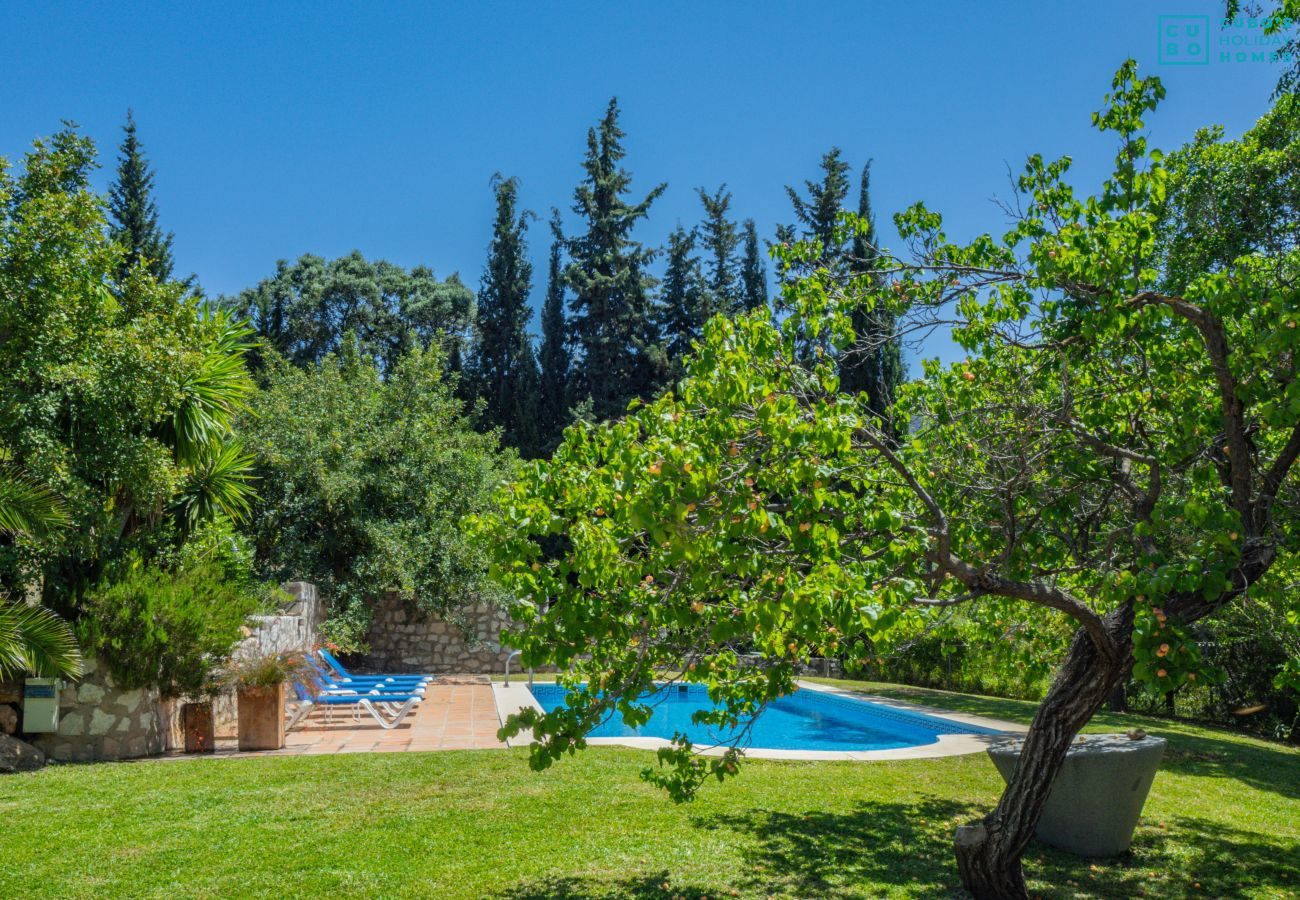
[(1097, 797)]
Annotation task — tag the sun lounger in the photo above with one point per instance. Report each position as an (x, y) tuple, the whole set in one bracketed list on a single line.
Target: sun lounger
[(327, 683), (373, 704), (339, 673)]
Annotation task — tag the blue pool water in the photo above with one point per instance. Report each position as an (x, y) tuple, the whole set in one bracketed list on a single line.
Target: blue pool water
[(805, 720)]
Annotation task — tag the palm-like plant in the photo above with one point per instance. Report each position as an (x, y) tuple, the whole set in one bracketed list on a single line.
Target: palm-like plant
[(218, 473), (220, 482), (214, 390), (25, 506), (32, 639)]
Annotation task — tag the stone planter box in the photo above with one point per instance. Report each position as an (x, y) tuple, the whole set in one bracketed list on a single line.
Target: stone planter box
[(197, 727), (261, 718), (1097, 797)]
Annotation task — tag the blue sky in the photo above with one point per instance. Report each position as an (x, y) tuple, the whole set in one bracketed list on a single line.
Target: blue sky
[(279, 129)]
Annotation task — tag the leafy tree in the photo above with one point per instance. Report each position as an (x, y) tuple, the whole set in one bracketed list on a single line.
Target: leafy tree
[(554, 353), (1225, 200), (1115, 454), (684, 300), (306, 308), (1280, 19), (364, 480), (753, 271), (505, 371), (134, 212), (612, 321), (719, 239), (874, 363), (115, 395)]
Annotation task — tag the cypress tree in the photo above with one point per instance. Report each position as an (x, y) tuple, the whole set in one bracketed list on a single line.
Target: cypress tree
[(505, 371), (753, 271), (719, 239), (683, 298), (875, 363), (554, 355), (612, 321), (819, 212), (134, 212)]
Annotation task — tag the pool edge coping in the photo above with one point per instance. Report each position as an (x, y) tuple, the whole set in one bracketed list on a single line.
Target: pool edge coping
[(514, 697)]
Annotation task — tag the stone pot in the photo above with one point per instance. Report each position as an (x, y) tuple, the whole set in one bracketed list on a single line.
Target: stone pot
[(261, 718), (198, 727), (1097, 796)]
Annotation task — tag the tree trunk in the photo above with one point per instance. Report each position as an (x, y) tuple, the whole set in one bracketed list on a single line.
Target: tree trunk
[(1118, 702), (989, 851)]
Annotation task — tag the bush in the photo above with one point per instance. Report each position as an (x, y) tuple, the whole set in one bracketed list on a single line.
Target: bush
[(216, 545), (955, 656), (365, 478), (269, 670), (165, 630)]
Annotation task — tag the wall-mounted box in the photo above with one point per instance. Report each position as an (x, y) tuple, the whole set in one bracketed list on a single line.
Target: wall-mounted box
[(41, 705)]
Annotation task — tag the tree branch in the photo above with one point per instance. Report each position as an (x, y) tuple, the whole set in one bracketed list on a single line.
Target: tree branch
[(1234, 424), (1274, 477), (980, 582)]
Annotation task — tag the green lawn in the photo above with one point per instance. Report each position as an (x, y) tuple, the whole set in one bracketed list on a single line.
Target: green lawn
[(1223, 820)]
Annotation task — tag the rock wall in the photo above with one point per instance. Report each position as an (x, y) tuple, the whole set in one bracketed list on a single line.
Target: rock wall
[(294, 629), (402, 639), (100, 721)]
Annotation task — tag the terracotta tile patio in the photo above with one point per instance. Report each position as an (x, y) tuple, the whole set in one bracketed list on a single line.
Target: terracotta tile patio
[(457, 713)]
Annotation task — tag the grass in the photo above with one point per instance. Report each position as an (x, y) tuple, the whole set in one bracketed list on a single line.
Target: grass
[(1223, 820)]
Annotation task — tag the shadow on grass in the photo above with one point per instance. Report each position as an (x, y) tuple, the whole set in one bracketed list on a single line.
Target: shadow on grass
[(659, 886), (905, 849), (1190, 857), (902, 847), (1197, 750), (1261, 767)]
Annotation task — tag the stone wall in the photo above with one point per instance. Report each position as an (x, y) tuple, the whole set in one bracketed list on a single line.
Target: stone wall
[(296, 628), (100, 721), (402, 639)]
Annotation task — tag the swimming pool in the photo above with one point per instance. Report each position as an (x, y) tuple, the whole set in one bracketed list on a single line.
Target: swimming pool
[(810, 720)]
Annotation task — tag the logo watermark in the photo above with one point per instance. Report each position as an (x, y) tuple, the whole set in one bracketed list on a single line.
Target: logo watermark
[(1190, 40)]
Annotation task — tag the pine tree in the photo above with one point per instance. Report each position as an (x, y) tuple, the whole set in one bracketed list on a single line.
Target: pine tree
[(134, 212), (505, 370), (684, 299), (753, 271), (875, 363), (612, 321), (719, 239), (819, 213), (554, 355)]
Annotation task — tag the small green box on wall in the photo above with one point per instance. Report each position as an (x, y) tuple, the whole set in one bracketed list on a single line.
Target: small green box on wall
[(41, 705)]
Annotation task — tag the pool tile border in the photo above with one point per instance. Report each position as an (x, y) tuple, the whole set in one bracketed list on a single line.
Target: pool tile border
[(516, 696)]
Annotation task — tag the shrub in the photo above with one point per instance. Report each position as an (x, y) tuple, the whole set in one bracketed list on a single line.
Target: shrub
[(365, 478), (268, 670), (165, 630)]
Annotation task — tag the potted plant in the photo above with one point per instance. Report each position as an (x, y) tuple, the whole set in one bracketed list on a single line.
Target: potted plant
[(197, 726), (259, 682), (198, 716)]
